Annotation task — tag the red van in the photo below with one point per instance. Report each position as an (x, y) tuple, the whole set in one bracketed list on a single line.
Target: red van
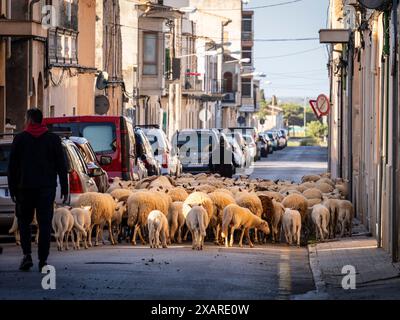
[(112, 139)]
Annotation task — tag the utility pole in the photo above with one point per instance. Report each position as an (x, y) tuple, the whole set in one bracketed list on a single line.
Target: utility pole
[(305, 115)]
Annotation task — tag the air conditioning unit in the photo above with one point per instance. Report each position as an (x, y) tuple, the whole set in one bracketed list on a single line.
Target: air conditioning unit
[(380, 5)]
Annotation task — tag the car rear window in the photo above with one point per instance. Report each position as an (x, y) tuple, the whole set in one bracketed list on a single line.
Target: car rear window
[(102, 136), (157, 139), (4, 159), (195, 141)]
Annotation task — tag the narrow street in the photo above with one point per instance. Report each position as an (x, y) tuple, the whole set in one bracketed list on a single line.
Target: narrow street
[(126, 272), (292, 163)]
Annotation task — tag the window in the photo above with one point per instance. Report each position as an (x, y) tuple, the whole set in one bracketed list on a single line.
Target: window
[(228, 82), (247, 25), (101, 137), (246, 87), (247, 52), (4, 159), (150, 57)]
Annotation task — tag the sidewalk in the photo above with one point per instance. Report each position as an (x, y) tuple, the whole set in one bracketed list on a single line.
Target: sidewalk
[(376, 276)]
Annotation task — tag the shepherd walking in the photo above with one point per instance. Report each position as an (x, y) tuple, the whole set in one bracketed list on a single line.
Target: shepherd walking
[(36, 159)]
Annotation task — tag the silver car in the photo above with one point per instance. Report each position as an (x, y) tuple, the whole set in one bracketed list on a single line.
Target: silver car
[(162, 149), (78, 178)]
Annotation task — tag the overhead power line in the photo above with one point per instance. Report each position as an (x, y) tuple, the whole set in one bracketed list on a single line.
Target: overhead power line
[(289, 54), (286, 40), (273, 5)]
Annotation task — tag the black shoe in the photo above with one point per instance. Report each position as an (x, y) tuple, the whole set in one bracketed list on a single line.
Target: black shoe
[(41, 265), (26, 263)]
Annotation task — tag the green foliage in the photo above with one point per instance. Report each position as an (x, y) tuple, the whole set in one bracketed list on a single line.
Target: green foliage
[(317, 129), (293, 114)]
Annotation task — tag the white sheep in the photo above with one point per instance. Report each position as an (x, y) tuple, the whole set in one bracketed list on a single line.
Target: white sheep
[(103, 208), (237, 217), (320, 216), (139, 206), (158, 227), (197, 222), (82, 222), (291, 226), (345, 217), (176, 221), (62, 224)]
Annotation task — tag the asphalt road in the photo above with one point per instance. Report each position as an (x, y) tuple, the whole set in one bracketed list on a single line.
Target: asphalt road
[(126, 272), (291, 163)]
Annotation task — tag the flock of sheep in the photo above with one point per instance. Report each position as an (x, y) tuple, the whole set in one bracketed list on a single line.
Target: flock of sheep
[(163, 210)]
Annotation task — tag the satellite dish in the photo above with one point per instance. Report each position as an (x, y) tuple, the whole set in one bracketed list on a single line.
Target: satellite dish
[(241, 120), (376, 4), (101, 105), (102, 80)]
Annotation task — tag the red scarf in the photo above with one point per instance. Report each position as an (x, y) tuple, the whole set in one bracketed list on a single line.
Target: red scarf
[(36, 130)]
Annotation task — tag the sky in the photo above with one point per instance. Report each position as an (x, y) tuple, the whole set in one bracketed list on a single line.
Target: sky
[(300, 74)]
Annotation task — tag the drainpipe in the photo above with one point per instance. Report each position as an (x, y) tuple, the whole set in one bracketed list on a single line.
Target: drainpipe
[(395, 207), (9, 39), (30, 48), (350, 116)]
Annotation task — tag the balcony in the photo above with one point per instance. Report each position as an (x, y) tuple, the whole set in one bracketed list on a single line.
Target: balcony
[(21, 28), (192, 85), (229, 97)]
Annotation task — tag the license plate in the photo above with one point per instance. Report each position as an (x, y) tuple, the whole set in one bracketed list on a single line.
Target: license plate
[(4, 192)]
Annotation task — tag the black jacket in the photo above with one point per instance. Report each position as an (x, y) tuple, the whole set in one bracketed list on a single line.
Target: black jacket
[(36, 162)]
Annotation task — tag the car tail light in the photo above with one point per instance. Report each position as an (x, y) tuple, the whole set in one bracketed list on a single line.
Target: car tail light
[(75, 184), (165, 160)]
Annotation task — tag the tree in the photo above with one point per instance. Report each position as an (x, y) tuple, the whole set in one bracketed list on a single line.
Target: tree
[(292, 114), (316, 129)]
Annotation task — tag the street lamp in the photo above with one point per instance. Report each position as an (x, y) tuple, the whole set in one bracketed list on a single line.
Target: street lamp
[(211, 53), (244, 60), (187, 9), (254, 74)]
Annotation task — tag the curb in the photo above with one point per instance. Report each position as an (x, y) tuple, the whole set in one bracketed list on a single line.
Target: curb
[(320, 285)]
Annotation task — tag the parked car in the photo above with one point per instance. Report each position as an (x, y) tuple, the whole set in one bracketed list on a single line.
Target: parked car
[(264, 146), (251, 144), (239, 158), (145, 153), (162, 150), (285, 134), (274, 139), (112, 139), (80, 179), (245, 130), (202, 150), (100, 176), (281, 140), (269, 141), (241, 142)]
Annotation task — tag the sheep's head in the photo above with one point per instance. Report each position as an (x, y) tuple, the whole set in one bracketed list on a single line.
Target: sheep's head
[(87, 208), (264, 227), (278, 207), (121, 208)]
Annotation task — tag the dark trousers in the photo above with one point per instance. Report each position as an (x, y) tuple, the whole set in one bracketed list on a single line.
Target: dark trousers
[(40, 201)]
